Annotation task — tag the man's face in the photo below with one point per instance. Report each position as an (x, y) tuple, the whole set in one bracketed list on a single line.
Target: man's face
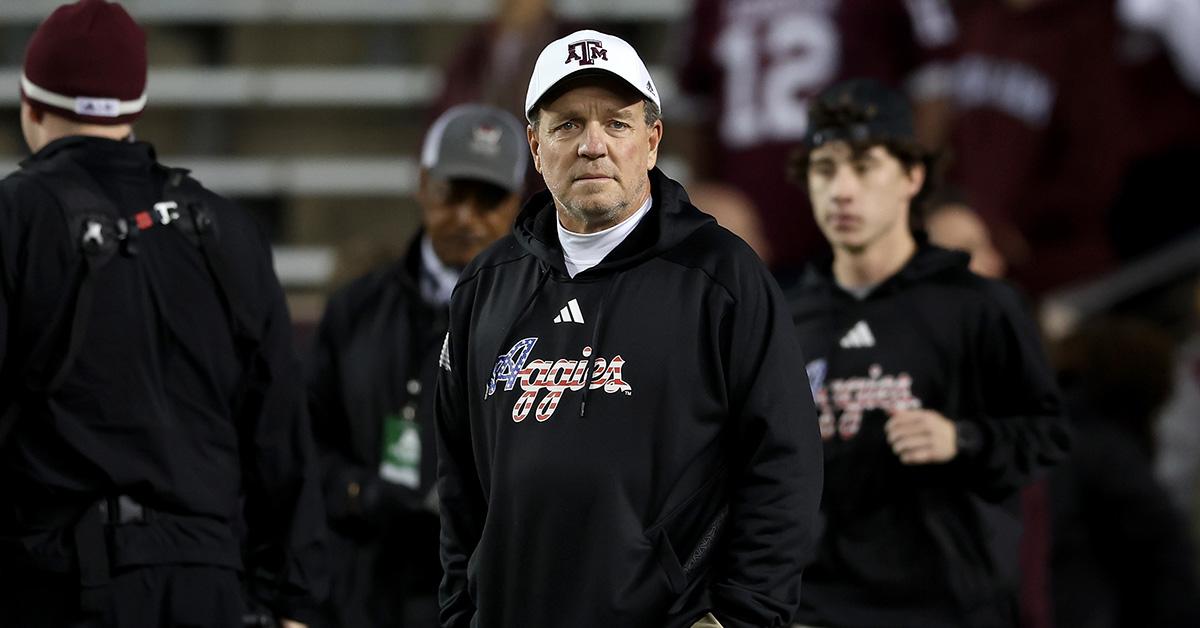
[(594, 149), (464, 216), (860, 199)]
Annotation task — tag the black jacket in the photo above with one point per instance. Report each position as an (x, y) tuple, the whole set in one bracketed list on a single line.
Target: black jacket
[(685, 478), (931, 545), (375, 357), (147, 409)]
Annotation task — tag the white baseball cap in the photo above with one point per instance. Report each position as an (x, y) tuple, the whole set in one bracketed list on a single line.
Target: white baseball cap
[(584, 51)]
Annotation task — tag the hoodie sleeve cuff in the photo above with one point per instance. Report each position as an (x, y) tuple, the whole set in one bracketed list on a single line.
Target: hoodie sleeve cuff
[(968, 439)]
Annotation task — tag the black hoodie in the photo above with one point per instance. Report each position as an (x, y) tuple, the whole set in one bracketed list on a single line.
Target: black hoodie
[(685, 478), (931, 545)]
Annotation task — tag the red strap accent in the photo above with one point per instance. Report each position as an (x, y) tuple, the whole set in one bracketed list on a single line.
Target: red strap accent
[(144, 221)]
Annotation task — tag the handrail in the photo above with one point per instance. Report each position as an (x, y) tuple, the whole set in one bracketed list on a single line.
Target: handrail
[(1062, 310)]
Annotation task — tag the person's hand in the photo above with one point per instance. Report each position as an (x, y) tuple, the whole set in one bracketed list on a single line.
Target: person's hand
[(922, 436), (288, 623)]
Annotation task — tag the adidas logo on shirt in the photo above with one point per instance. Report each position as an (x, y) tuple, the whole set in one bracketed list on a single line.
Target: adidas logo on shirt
[(859, 337), (570, 313)]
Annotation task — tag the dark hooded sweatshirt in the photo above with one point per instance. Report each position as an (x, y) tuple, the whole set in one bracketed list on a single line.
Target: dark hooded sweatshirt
[(681, 476), (927, 545)]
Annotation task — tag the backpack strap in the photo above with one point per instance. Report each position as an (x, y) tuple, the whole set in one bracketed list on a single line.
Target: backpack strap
[(185, 209), (96, 226), (94, 223)]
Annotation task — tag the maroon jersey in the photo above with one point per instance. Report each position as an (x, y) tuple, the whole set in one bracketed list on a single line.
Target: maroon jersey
[(1053, 108), (755, 64)]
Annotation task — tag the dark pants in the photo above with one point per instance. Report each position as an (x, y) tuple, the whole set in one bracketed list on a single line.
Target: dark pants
[(167, 596)]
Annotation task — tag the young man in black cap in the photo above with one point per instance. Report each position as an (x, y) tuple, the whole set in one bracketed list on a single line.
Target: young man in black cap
[(936, 403), (624, 435), (149, 382), (373, 370)]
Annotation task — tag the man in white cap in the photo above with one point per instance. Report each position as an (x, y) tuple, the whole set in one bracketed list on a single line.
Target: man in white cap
[(625, 432), (373, 368), (155, 453)]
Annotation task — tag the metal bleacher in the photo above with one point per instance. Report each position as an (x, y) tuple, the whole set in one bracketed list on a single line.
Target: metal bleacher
[(308, 111)]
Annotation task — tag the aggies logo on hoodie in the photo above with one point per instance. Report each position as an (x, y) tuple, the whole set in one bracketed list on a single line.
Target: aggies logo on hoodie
[(842, 402), (553, 376)]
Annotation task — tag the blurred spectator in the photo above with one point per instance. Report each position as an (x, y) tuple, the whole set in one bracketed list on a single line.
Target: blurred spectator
[(952, 224), (1174, 23), (493, 64), (374, 366), (1056, 101), (734, 211), (1178, 429), (751, 66), (1121, 556)]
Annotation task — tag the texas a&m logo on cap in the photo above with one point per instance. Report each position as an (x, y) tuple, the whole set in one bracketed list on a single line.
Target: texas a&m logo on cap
[(485, 140), (586, 52)]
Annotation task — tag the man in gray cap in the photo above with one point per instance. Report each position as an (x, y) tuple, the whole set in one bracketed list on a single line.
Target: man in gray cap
[(374, 366), (625, 431)]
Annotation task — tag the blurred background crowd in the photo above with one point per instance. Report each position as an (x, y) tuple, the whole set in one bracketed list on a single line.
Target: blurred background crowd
[(1070, 139)]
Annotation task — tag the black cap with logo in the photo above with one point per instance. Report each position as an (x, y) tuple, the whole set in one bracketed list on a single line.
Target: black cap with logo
[(863, 110)]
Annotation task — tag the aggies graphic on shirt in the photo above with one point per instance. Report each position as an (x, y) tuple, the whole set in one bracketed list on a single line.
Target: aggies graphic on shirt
[(843, 399), (753, 65), (555, 377)]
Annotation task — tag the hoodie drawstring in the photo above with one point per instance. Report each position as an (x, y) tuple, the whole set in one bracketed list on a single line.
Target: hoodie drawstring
[(595, 344)]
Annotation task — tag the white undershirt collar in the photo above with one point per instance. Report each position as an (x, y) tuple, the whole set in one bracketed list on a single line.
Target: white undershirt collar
[(582, 251), (437, 279)]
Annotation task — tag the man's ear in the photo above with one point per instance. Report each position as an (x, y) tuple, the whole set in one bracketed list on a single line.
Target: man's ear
[(916, 178), (534, 144), (656, 133)]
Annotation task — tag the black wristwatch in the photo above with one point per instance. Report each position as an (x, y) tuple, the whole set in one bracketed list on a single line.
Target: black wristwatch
[(968, 438)]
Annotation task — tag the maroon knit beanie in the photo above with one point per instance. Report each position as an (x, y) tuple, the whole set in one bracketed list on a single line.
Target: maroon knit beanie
[(87, 62)]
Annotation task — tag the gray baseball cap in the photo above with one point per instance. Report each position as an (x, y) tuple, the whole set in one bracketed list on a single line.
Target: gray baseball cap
[(477, 142)]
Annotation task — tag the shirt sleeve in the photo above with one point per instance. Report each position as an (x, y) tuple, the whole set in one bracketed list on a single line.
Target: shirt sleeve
[(778, 465), (6, 280), (463, 506), (1020, 423), (329, 418), (285, 518), (1176, 22)]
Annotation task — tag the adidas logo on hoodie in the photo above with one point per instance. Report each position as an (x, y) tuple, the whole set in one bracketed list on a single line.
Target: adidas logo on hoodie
[(859, 337), (570, 313)]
